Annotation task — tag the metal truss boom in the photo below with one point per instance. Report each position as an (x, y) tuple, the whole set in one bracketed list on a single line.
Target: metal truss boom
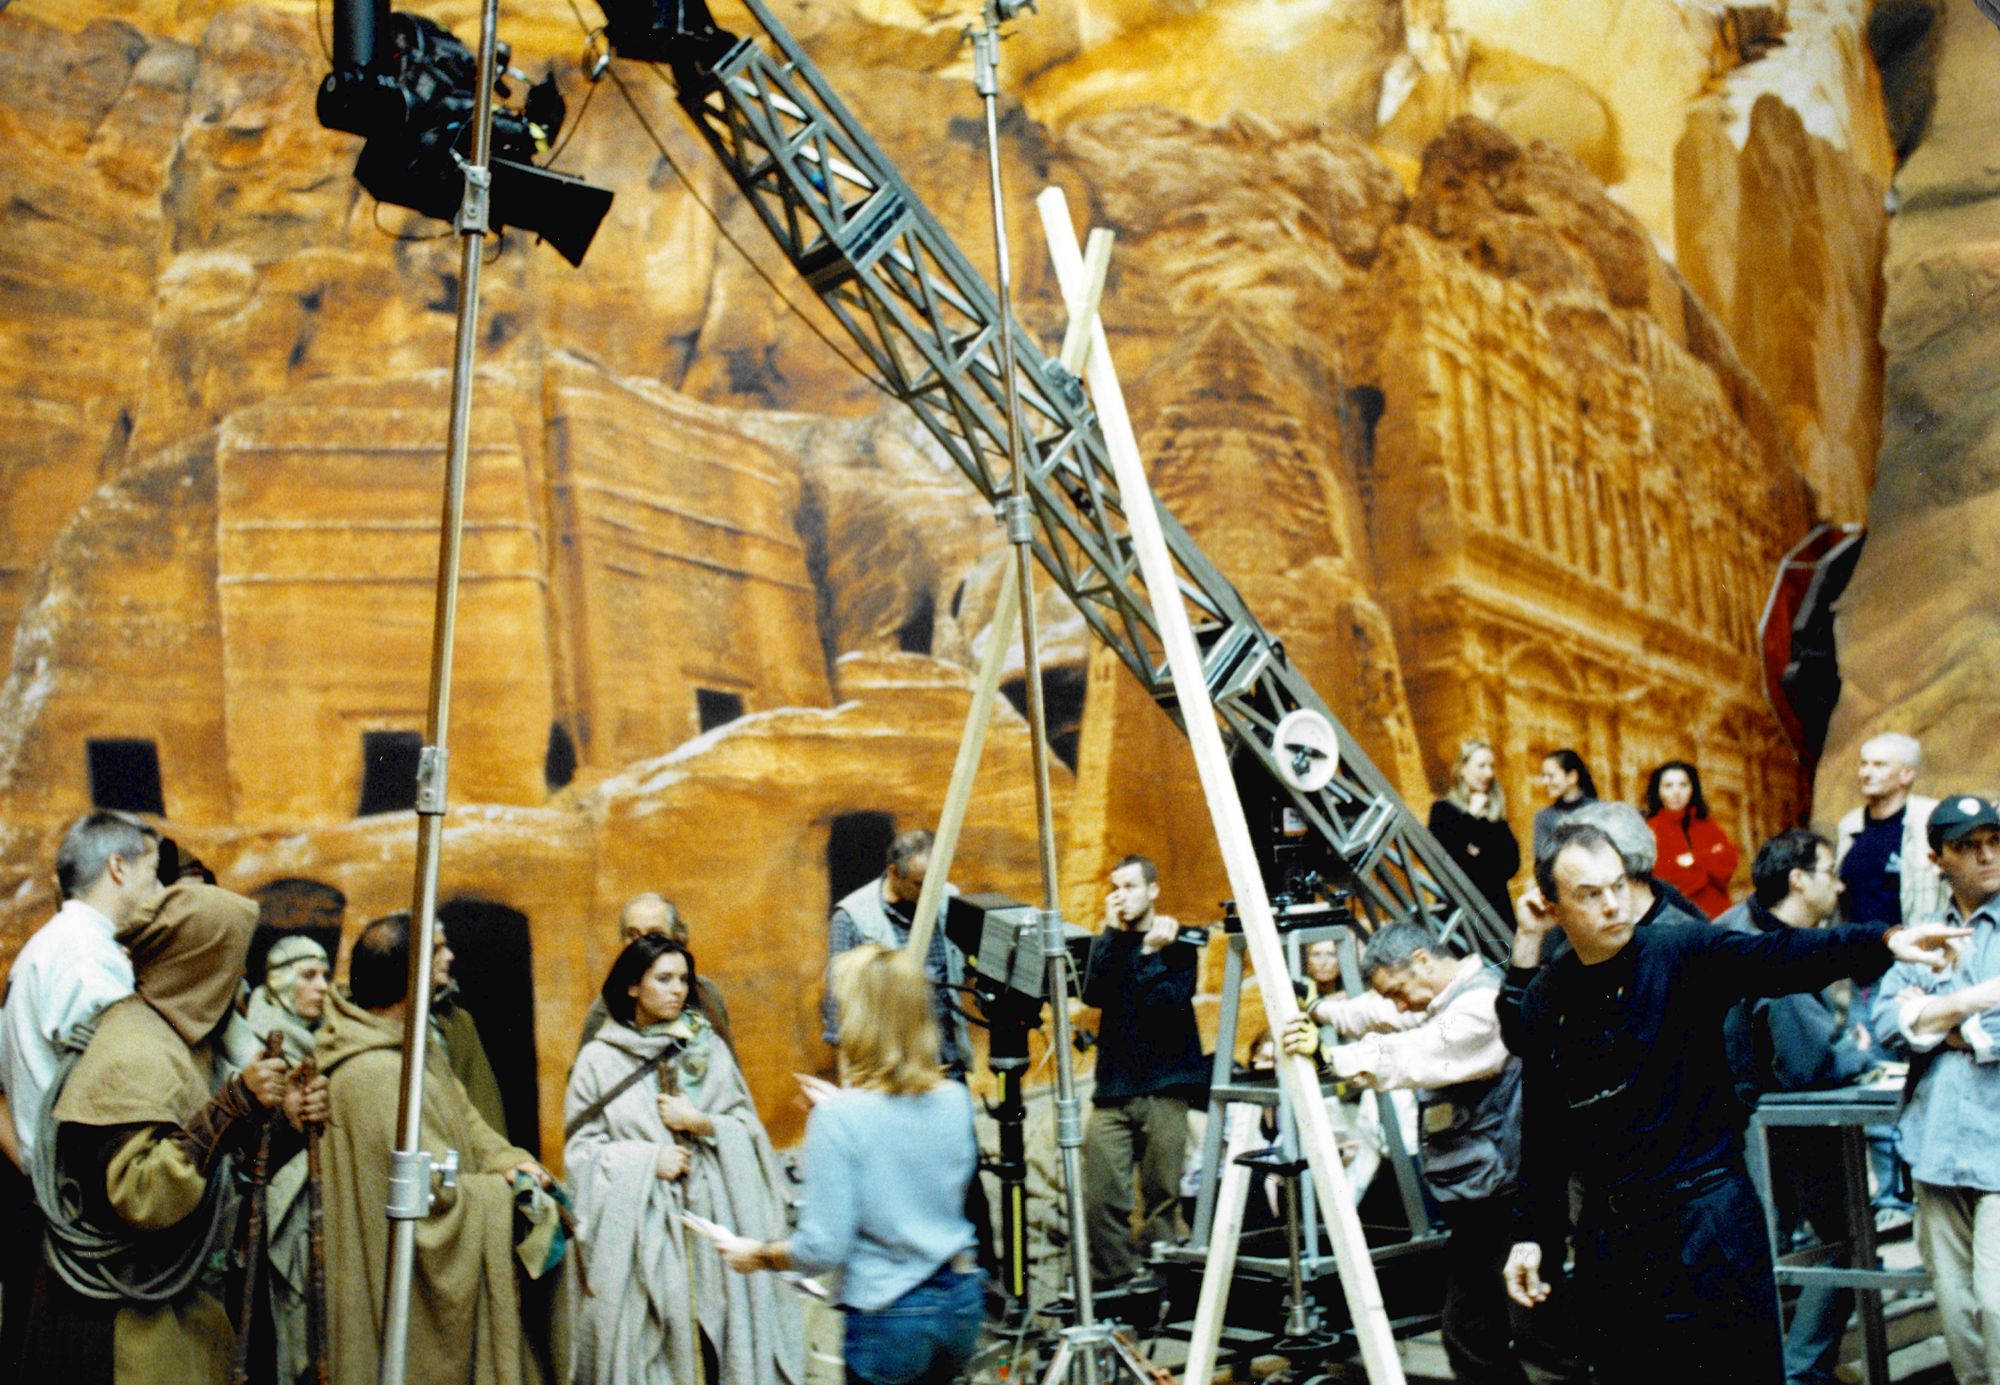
[(929, 326)]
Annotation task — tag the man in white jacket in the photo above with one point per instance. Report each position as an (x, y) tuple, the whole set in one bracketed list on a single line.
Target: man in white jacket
[(1887, 876), (67, 973), (1429, 1026), (1881, 854), (72, 968)]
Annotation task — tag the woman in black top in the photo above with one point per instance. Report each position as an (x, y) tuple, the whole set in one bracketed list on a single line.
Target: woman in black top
[(1567, 782), (1470, 822)]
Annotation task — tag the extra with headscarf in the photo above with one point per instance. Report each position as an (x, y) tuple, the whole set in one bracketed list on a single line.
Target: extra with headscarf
[(147, 1127), (290, 1003)]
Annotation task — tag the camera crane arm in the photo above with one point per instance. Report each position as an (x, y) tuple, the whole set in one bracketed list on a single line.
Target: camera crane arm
[(928, 324)]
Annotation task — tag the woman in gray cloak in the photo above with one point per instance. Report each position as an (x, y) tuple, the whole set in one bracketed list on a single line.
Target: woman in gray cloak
[(290, 1003), (658, 1121)]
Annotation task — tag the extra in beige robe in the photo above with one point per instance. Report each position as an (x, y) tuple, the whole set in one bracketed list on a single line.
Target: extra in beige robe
[(465, 1308)]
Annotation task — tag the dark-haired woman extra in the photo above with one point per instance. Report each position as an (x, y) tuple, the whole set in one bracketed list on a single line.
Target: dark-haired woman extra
[(1470, 822), (1567, 782), (657, 1122), (1696, 856)]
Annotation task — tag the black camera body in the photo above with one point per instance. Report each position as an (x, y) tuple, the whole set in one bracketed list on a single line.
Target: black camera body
[(410, 89)]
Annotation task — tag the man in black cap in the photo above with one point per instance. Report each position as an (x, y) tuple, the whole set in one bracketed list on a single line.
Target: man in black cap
[(1948, 1025)]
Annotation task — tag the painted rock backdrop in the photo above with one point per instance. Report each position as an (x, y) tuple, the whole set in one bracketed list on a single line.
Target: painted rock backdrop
[(1497, 351)]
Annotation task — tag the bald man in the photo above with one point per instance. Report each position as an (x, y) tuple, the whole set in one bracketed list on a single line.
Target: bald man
[(652, 912)]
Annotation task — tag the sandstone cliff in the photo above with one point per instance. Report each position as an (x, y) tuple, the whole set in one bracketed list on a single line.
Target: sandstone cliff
[(1916, 624), (1396, 304)]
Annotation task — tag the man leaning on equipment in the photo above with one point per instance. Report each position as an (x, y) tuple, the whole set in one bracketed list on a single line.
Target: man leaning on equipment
[(1626, 1084), (883, 911), (1948, 1025), (1439, 1035)]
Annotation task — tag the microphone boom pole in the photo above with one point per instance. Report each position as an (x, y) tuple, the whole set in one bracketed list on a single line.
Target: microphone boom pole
[(410, 1164)]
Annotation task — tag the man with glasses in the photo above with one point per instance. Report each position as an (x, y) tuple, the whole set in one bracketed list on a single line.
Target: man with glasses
[(1626, 1084), (1800, 1043), (1948, 1025)]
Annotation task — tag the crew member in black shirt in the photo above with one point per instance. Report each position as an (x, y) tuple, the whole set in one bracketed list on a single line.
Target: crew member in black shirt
[(1626, 1085), (1148, 1064)]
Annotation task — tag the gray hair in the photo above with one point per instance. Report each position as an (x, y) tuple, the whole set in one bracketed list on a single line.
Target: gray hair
[(651, 899), (1628, 832), (91, 842), (907, 848), (1394, 949), (1897, 746)]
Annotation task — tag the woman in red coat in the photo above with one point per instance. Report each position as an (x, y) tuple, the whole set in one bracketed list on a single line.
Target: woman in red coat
[(1696, 856)]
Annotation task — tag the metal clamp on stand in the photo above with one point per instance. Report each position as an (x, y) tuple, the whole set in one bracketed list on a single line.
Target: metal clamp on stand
[(414, 1182), (409, 1184)]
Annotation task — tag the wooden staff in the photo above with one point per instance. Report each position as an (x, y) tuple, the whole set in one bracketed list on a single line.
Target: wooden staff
[(316, 1234), (253, 1259), (670, 1085)]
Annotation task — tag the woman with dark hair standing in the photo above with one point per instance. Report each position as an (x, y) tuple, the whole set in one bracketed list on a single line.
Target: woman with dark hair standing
[(1696, 856), (658, 1122), (1470, 822), (1566, 780), (888, 1156)]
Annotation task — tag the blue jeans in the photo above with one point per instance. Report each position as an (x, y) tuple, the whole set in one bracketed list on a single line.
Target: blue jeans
[(923, 1338)]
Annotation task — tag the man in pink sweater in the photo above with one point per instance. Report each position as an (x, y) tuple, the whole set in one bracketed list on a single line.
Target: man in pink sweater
[(1428, 1025)]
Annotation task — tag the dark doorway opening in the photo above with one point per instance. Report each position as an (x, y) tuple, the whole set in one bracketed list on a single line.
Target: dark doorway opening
[(125, 774), (559, 760), (913, 636), (857, 850), (493, 966), (1362, 410), (1063, 689), (389, 771), (295, 905), (715, 708)]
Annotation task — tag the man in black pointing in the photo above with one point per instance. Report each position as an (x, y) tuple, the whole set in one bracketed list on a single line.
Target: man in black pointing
[(1626, 1084)]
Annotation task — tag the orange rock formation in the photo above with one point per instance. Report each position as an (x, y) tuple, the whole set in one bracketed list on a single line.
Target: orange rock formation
[(1428, 391)]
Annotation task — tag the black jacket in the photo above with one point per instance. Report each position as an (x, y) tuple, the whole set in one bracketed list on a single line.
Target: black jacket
[(1787, 1043), (1146, 1039)]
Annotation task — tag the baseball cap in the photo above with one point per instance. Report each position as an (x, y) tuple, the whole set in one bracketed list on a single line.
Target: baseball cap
[(1957, 815)]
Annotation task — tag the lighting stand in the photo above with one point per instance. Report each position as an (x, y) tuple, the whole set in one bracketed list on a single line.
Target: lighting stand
[(410, 1170), (1085, 1341)]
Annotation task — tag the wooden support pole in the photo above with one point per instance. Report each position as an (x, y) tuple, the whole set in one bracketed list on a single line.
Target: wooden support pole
[(1232, 1197), (1296, 1074), (999, 640)]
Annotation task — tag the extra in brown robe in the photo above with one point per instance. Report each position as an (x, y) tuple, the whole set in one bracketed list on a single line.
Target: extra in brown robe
[(150, 1067), (465, 1307)]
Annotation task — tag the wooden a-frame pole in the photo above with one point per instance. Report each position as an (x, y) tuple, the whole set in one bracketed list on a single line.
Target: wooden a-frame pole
[(999, 640), (1296, 1075)]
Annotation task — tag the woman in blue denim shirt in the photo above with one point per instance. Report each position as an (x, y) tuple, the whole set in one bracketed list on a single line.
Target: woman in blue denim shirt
[(888, 1156)]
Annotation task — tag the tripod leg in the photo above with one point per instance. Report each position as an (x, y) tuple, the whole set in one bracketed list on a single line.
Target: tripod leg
[(1232, 1193), (1058, 1371), (1143, 1371)]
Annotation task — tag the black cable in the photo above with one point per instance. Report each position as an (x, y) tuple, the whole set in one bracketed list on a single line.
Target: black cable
[(570, 134), (397, 235), (667, 155)]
